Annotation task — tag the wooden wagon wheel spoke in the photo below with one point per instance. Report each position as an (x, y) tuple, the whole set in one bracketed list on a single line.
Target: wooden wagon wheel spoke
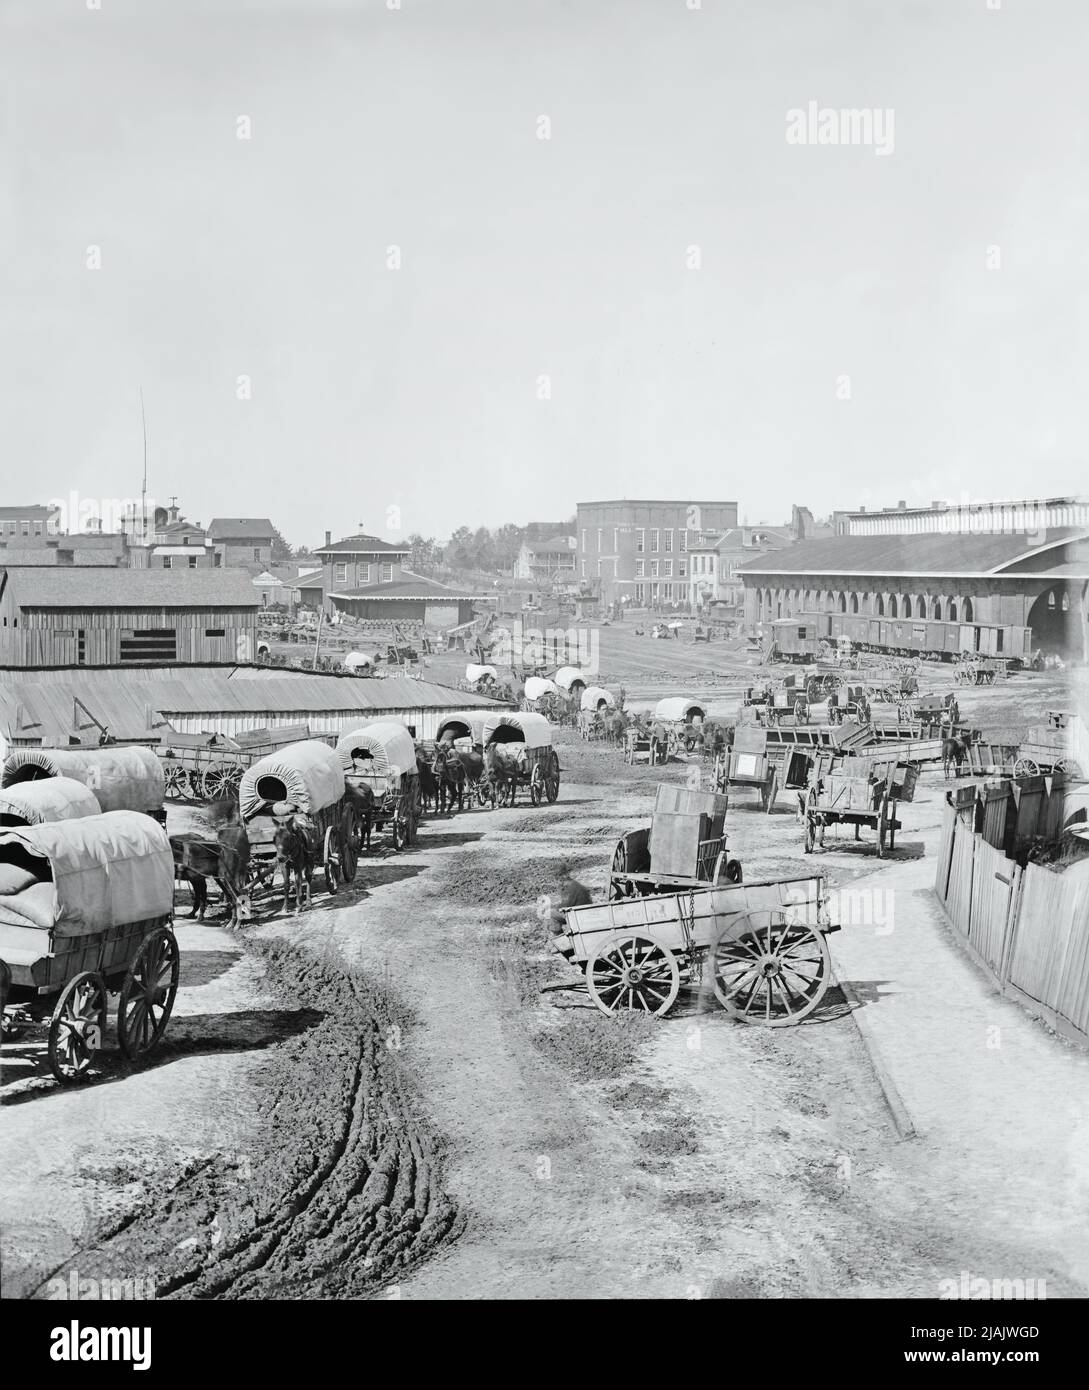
[(778, 984), (148, 993), (77, 1026), (636, 971)]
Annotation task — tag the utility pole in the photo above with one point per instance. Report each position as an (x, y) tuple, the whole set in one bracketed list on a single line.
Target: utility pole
[(143, 488)]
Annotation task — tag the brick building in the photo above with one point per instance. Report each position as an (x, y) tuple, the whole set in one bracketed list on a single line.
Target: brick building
[(240, 541), (638, 550)]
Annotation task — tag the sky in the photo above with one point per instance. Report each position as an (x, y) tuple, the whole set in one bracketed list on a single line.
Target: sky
[(665, 297)]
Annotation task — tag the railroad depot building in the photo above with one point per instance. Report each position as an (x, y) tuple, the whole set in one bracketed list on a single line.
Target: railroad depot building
[(53, 616), (638, 550), (365, 578), (1037, 579)]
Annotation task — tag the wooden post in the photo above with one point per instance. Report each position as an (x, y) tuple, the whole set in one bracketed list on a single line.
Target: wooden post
[(317, 640)]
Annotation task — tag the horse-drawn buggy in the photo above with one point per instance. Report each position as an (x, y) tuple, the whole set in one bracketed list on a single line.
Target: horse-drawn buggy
[(518, 752), (85, 911), (684, 845), (760, 946), (122, 777), (297, 811), (857, 791), (379, 764)]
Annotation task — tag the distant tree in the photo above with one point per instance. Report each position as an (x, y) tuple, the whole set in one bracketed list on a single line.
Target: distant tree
[(423, 554), (281, 550)]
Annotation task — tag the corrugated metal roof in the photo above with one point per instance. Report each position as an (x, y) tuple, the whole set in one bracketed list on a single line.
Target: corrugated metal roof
[(143, 708), (940, 554), (86, 587)]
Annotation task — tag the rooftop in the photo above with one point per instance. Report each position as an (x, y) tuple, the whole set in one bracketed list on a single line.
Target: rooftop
[(410, 586), (33, 513), (937, 553), (240, 528), (94, 587), (361, 545)]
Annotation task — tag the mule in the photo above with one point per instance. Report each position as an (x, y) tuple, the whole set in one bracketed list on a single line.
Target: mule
[(226, 860), (954, 751), (295, 857)]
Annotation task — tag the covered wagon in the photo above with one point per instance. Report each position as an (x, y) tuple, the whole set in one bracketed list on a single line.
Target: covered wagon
[(677, 726), (123, 777), (46, 799), (300, 786), (518, 752), (381, 758), (85, 910), (571, 680)]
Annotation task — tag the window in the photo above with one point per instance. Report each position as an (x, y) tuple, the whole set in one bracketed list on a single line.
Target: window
[(26, 528), (667, 569), (185, 540), (217, 560), (257, 552), (599, 540), (584, 540), (893, 607), (879, 606), (952, 612), (1066, 603), (81, 646), (583, 564), (967, 610), (640, 541), (215, 632), (148, 644), (682, 568), (639, 568), (937, 610), (654, 569), (340, 572), (363, 573), (166, 562), (192, 562), (999, 635), (802, 633), (616, 540), (684, 540), (668, 541), (1051, 602), (640, 593), (385, 571), (11, 528), (654, 539), (37, 528)]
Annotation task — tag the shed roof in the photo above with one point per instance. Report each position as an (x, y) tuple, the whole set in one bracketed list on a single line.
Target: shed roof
[(109, 587), (361, 545), (933, 553), (412, 586)]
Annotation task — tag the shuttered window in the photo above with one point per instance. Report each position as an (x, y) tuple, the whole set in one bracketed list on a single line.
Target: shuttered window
[(149, 644)]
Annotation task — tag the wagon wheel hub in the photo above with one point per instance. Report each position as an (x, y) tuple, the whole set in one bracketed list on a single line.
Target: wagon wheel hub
[(632, 975), (769, 965)]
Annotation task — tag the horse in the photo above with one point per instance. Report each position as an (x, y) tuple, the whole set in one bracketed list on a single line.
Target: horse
[(295, 856), (429, 787), (226, 859), (361, 798), (449, 774), (616, 726), (503, 767), (954, 750)]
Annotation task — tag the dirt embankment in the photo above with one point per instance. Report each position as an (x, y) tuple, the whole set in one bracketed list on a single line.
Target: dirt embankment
[(342, 1190)]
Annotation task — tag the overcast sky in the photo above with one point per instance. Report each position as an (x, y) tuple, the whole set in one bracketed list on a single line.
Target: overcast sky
[(823, 269)]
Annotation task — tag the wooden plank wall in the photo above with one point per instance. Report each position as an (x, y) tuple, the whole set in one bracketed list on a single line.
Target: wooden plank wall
[(49, 637)]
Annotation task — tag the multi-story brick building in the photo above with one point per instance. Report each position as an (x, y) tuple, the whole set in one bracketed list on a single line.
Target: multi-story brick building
[(638, 550), (242, 541)]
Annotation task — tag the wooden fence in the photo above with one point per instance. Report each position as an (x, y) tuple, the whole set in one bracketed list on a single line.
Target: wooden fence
[(1027, 927)]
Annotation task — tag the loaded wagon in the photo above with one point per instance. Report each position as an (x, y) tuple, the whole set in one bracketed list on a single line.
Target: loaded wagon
[(539, 695), (1049, 748), (123, 777), (640, 746), (760, 946), (209, 767), (857, 791), (382, 758), (302, 785), (757, 763), (518, 752), (685, 845), (86, 908)]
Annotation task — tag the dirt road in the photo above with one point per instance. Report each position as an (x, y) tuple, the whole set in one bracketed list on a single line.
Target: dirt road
[(420, 1121)]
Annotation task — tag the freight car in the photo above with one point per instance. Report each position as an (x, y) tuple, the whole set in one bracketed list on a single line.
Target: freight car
[(810, 635)]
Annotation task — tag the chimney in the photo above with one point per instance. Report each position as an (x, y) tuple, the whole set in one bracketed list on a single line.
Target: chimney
[(901, 506), (862, 509), (328, 539)]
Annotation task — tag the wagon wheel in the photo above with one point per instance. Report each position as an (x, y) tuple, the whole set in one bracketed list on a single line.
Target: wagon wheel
[(220, 782), (772, 790), (552, 780), (1026, 767), (1069, 768), (632, 973), (906, 711), (349, 845), (77, 1026), (176, 780), (147, 996), (767, 970), (801, 712), (330, 858), (536, 785), (726, 870)]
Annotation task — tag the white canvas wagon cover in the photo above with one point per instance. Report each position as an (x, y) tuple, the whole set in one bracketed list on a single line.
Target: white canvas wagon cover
[(593, 695), (536, 686), (467, 724), (48, 799), (535, 730), (475, 673), (307, 774), (86, 875), (676, 707), (386, 747), (567, 676), (124, 777)]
